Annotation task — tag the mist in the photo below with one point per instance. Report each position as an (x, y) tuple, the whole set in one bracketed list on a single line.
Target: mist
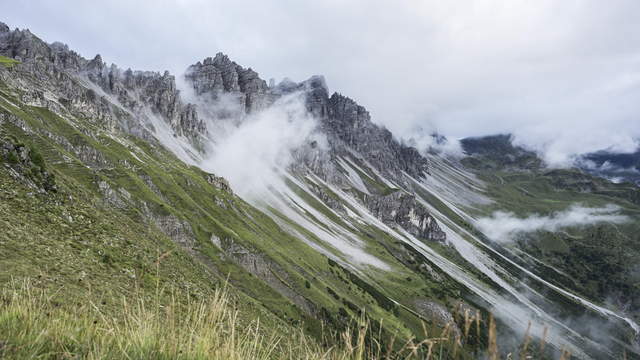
[(612, 172), (252, 154), (562, 76), (502, 226)]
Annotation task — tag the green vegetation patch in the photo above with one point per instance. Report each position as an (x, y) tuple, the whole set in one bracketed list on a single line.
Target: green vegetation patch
[(8, 62)]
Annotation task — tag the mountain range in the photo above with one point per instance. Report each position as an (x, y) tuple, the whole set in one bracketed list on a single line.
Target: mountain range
[(312, 214)]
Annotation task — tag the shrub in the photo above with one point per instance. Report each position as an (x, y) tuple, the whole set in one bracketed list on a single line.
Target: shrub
[(12, 157), (36, 158)]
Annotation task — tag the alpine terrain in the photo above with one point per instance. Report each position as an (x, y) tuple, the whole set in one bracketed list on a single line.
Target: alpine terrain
[(128, 197)]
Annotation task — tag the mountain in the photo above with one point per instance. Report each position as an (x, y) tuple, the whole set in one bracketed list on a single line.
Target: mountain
[(614, 166), (617, 167), (498, 152), (117, 182)]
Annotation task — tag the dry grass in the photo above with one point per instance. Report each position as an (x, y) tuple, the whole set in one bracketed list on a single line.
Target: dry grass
[(34, 325)]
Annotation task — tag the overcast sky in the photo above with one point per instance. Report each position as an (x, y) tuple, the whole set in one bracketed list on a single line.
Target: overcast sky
[(563, 75)]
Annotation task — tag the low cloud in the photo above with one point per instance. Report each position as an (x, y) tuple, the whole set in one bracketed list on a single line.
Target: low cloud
[(502, 226), (431, 141), (253, 154), (609, 170), (607, 166)]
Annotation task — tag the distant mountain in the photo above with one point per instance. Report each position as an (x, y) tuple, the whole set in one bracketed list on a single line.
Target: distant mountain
[(498, 151), (617, 167)]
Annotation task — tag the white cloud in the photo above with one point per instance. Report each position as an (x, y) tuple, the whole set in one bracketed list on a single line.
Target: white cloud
[(253, 155), (431, 141), (561, 75), (503, 226)]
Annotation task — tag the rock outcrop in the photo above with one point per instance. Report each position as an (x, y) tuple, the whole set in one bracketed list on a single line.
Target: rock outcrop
[(27, 166), (351, 123), (216, 76), (402, 208), (264, 268)]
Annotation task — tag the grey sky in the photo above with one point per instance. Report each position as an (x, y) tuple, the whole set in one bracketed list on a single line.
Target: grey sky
[(564, 76)]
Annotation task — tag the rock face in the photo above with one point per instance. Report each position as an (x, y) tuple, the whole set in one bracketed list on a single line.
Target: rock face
[(216, 76), (402, 208), (219, 183), (139, 90), (351, 123), (349, 129), (351, 133), (349, 126), (178, 230), (22, 45)]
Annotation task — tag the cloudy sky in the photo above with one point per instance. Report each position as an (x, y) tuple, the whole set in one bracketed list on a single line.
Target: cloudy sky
[(563, 76)]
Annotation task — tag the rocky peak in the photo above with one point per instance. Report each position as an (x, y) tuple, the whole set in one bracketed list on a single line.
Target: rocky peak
[(317, 83), (317, 95), (285, 86), (55, 66), (65, 58), (139, 89), (26, 47), (316, 91), (346, 113), (23, 45), (214, 76), (219, 60), (59, 47), (349, 125), (96, 65)]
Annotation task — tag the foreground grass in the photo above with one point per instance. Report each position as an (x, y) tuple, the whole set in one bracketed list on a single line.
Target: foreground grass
[(33, 325)]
